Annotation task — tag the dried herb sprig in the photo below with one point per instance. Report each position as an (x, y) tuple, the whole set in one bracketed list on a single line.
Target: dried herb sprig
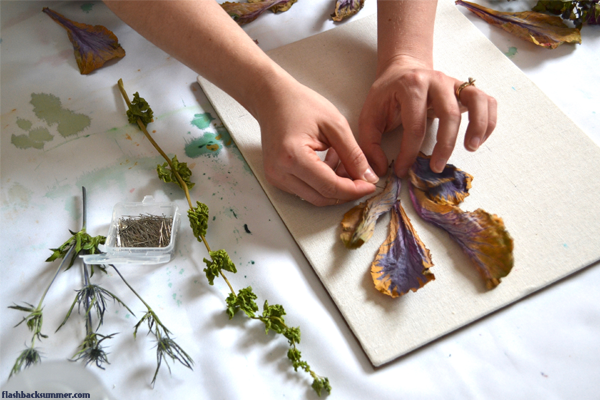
[(166, 347), (220, 261), (35, 318), (93, 297), (92, 351), (28, 357)]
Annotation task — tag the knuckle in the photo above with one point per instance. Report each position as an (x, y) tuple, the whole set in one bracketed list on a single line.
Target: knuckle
[(480, 124), (328, 190), (417, 79), (356, 157), (445, 147), (491, 126), (452, 113)]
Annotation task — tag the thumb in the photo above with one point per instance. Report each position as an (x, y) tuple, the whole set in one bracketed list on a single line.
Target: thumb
[(351, 156)]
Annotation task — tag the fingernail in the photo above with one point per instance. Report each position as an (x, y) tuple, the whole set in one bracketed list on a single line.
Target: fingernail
[(475, 143), (370, 177), (439, 166)]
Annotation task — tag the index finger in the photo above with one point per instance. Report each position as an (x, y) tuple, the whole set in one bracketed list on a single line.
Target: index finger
[(328, 187)]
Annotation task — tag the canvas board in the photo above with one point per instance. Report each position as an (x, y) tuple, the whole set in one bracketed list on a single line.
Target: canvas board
[(538, 171)]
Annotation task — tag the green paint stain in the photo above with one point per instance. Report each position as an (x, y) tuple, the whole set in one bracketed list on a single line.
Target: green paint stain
[(205, 145), (49, 108), (40, 135), (209, 143), (87, 7), (181, 272), (126, 315), (202, 121), (36, 139), (24, 124), (174, 296), (58, 191), (25, 142), (170, 284), (224, 136), (178, 303), (19, 195), (511, 52)]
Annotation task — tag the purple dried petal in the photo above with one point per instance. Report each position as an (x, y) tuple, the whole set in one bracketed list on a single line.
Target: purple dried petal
[(244, 13), (93, 45), (481, 235), (346, 8), (402, 262)]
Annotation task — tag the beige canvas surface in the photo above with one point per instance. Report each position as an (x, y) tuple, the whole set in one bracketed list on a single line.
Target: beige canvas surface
[(539, 172)]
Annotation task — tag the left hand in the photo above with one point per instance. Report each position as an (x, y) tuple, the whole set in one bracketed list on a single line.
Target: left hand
[(406, 92)]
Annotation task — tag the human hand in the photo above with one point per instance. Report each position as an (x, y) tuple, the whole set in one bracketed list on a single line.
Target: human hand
[(297, 122), (406, 92)]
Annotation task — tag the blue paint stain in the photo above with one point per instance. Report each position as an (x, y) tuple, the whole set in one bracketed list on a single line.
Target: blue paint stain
[(565, 245), (513, 88)]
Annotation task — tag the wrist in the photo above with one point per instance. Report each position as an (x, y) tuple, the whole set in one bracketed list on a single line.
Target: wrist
[(266, 91), (404, 61)]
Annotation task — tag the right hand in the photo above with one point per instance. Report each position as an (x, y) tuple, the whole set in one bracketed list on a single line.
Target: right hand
[(295, 123)]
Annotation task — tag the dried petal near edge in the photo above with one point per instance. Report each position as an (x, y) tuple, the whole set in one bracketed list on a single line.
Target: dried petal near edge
[(402, 262), (451, 186), (346, 8), (278, 8), (244, 13), (358, 224), (541, 29), (93, 45), (482, 236)]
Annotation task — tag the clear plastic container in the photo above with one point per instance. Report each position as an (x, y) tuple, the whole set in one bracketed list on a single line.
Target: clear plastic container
[(115, 254)]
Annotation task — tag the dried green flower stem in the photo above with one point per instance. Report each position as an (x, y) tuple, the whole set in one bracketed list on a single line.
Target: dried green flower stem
[(179, 179), (156, 146), (320, 383)]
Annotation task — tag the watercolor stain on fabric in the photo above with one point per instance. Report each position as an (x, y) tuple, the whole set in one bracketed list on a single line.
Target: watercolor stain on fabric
[(247, 230), (49, 108), (17, 196), (34, 139), (176, 299), (512, 51), (87, 7), (202, 121), (210, 143)]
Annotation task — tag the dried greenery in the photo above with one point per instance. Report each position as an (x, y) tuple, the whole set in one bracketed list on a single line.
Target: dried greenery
[(578, 12), (165, 345), (94, 299), (244, 299)]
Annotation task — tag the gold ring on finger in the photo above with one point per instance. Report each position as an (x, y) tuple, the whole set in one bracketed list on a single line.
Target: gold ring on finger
[(470, 82)]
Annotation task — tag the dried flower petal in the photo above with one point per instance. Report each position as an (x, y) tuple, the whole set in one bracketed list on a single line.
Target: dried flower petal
[(93, 45), (481, 235), (244, 13), (346, 8), (402, 262), (358, 224), (278, 8), (541, 29)]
